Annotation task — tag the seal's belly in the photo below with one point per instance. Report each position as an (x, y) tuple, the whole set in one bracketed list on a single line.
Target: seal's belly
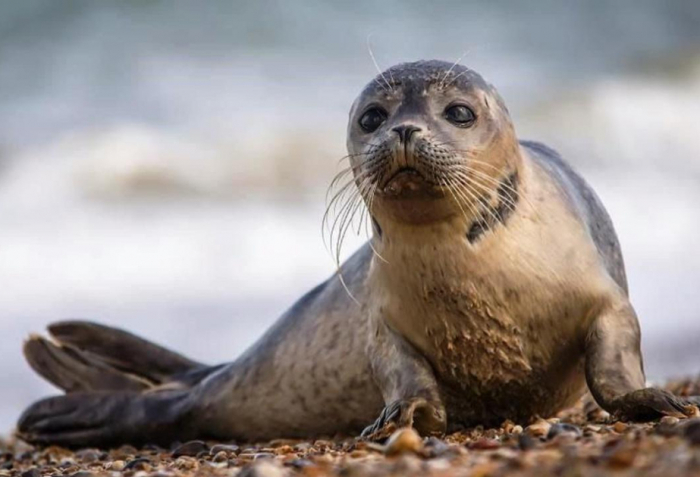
[(493, 366)]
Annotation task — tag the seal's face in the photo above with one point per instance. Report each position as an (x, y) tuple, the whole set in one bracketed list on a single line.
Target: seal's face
[(428, 140)]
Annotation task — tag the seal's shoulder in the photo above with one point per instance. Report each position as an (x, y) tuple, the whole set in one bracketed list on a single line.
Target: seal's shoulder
[(586, 201)]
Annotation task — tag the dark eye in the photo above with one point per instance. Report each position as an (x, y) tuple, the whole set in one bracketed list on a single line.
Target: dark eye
[(460, 115), (372, 119)]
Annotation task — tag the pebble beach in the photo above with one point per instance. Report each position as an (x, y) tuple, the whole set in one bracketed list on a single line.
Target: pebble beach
[(581, 441)]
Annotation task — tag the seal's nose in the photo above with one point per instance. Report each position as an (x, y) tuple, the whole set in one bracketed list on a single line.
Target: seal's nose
[(405, 131)]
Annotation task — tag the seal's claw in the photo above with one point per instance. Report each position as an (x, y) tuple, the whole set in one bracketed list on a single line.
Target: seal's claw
[(649, 404), (426, 418)]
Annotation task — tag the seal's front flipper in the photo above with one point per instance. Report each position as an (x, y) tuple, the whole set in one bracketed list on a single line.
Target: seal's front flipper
[(407, 383), (416, 412), (108, 419), (615, 372), (123, 350)]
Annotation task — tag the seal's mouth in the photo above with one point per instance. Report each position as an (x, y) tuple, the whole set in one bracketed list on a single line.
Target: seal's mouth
[(407, 181), (404, 172)]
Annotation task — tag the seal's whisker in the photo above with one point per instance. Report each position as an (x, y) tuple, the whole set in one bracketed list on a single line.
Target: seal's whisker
[(508, 201), (496, 183), (337, 205), (348, 215), (444, 78), (376, 65), (475, 200), (447, 182), (468, 185), (456, 77)]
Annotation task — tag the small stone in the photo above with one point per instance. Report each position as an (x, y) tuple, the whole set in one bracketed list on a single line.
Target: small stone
[(539, 428), (83, 473), (436, 447), (263, 468), (227, 448), (691, 431), (507, 426), (186, 463), (138, 464), (526, 442), (303, 446), (485, 444), (407, 464), (299, 464), (622, 456), (517, 429), (564, 428), (220, 456), (403, 440), (88, 455), (33, 472), (619, 427), (669, 420), (190, 449), (263, 455), (117, 465)]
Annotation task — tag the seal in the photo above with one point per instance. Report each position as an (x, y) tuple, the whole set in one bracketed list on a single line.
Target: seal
[(492, 288)]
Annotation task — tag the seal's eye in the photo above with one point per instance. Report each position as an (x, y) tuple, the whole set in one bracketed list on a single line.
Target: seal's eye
[(460, 115), (372, 119)]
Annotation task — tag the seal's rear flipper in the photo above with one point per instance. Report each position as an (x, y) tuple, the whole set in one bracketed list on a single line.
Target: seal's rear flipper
[(123, 350), (108, 419), (74, 371)]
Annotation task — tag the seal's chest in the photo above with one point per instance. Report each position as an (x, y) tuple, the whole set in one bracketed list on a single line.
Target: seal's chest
[(474, 342)]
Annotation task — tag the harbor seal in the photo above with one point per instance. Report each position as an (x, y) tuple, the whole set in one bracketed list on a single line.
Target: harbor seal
[(492, 288)]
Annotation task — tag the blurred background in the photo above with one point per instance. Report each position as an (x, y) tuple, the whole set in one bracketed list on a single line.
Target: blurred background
[(163, 165)]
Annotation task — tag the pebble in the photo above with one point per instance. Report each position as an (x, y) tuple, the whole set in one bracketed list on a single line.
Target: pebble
[(485, 444), (117, 465), (190, 449), (622, 456), (262, 468), (526, 442), (33, 472), (564, 428), (263, 455), (539, 428), (436, 447), (403, 440), (691, 431), (228, 448), (88, 455), (221, 456), (138, 464), (619, 427), (670, 420)]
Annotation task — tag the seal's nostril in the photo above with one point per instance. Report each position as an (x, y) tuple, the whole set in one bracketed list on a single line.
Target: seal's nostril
[(405, 131)]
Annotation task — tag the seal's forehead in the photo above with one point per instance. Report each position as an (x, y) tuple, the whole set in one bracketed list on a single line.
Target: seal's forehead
[(422, 75)]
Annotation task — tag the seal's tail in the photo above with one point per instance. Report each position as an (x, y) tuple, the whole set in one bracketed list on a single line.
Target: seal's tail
[(86, 356)]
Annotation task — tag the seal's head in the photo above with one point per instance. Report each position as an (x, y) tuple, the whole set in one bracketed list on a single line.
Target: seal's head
[(430, 140)]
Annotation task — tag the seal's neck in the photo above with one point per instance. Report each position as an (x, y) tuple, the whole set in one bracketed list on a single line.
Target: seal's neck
[(482, 208)]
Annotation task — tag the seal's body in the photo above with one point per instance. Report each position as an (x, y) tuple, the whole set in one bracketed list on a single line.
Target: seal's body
[(493, 288)]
